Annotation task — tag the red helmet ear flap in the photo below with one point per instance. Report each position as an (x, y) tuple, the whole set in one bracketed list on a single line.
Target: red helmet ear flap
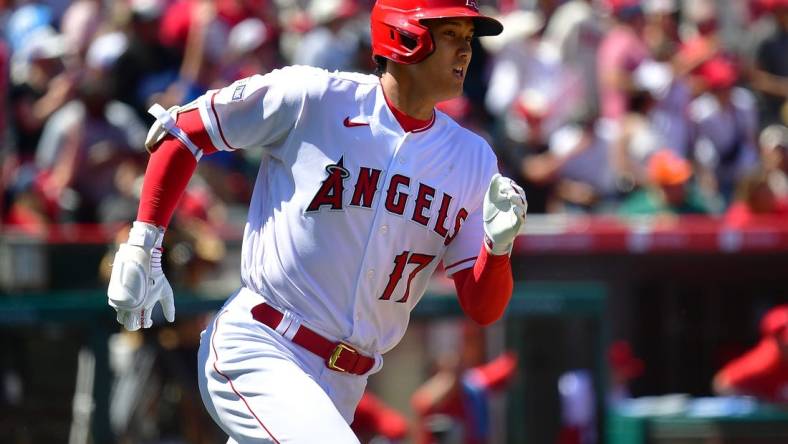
[(397, 37)]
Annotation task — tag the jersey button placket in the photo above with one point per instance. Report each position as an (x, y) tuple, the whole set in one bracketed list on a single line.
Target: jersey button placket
[(363, 298)]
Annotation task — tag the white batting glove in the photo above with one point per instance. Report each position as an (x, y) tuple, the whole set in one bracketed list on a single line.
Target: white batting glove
[(505, 208), (137, 281)]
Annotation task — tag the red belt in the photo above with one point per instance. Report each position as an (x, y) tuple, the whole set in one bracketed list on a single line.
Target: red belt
[(339, 356)]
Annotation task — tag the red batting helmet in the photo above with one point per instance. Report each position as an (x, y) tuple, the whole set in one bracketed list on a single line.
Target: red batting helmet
[(399, 35)]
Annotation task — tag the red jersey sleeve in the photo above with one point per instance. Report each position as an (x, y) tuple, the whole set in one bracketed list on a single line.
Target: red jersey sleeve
[(484, 291), (170, 168)]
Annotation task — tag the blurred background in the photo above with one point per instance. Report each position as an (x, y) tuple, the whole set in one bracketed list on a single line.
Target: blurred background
[(650, 286)]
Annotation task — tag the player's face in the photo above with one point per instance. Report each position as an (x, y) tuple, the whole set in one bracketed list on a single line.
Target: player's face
[(445, 69)]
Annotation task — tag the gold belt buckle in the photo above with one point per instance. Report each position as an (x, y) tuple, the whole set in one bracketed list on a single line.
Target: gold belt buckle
[(332, 361)]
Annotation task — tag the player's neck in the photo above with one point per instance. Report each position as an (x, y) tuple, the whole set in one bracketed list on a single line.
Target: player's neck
[(409, 97)]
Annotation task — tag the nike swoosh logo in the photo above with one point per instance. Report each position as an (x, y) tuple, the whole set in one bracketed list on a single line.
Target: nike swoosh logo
[(350, 124)]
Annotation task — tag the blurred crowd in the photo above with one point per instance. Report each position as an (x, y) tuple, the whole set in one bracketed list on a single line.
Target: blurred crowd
[(623, 106), (659, 107)]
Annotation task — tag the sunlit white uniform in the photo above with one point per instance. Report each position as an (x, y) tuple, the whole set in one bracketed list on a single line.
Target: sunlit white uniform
[(349, 217)]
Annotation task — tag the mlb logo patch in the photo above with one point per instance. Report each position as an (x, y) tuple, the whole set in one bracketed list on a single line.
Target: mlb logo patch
[(238, 94), (472, 4)]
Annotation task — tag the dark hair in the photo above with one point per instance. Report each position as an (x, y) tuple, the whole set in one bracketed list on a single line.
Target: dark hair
[(380, 61), (380, 65)]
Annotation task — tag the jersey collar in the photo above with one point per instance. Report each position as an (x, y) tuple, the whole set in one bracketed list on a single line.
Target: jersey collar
[(409, 124)]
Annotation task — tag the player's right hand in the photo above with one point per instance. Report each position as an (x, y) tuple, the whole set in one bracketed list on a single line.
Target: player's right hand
[(137, 281)]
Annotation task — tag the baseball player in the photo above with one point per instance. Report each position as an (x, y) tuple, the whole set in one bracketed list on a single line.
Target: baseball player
[(363, 190)]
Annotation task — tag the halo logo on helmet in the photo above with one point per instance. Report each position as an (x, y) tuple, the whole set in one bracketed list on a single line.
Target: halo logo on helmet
[(398, 33)]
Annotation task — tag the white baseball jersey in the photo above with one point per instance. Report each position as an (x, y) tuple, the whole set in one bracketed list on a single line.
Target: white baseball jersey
[(350, 215)]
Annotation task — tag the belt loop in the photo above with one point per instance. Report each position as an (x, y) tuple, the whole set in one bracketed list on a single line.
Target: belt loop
[(291, 330), (284, 324)]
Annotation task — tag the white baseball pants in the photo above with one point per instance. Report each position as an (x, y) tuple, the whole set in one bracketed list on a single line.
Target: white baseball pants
[(261, 388)]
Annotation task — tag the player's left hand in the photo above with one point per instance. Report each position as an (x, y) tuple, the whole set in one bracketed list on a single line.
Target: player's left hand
[(505, 208), (137, 282)]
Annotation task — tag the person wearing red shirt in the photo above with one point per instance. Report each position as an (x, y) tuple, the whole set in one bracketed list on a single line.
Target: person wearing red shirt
[(453, 404), (757, 203), (374, 420), (761, 372)]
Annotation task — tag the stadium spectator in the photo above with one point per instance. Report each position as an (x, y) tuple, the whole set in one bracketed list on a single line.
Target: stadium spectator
[(203, 50), (578, 162), (622, 49), (171, 51), (80, 24), (25, 20), (770, 74), (333, 41), (531, 81), (762, 371), (534, 94), (726, 124), (671, 92), (661, 32), (756, 24), (147, 66), (671, 95), (636, 137), (565, 20), (755, 199), (40, 86), (699, 34), (576, 28), (774, 158), (669, 190), (80, 148), (205, 62), (174, 50), (514, 53), (251, 50)]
